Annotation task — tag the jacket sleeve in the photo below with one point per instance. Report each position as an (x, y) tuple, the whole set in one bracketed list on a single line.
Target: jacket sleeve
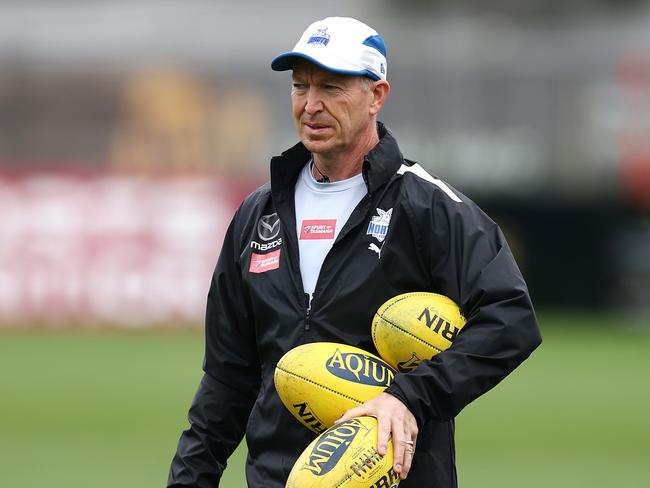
[(470, 262), (228, 389)]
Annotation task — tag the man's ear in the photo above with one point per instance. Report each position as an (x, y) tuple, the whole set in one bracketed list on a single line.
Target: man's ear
[(380, 93)]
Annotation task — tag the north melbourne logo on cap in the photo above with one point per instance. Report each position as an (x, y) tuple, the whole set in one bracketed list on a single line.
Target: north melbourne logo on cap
[(320, 37), (355, 48)]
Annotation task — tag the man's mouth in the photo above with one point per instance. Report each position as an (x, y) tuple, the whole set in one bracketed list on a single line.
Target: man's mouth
[(316, 126)]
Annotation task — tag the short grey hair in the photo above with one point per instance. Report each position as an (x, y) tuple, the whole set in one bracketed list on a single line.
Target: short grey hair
[(367, 83)]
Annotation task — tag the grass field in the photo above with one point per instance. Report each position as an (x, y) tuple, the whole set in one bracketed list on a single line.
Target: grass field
[(105, 409)]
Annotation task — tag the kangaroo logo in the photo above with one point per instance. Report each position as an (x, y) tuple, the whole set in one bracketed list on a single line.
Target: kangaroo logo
[(320, 37), (378, 226)]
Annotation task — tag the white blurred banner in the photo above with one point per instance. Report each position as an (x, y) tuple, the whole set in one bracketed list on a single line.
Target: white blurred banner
[(122, 250)]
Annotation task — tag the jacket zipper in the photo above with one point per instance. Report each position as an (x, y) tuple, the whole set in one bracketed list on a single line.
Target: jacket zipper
[(308, 312), (308, 301)]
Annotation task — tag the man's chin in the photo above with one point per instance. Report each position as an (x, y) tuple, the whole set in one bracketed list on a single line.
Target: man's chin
[(315, 145)]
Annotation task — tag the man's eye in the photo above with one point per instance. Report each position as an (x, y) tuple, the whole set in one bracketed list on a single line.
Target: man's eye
[(298, 86), (331, 87)]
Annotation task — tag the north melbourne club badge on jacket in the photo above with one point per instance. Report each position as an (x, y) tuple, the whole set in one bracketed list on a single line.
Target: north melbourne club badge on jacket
[(378, 228)]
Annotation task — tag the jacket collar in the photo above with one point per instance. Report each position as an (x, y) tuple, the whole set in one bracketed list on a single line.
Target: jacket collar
[(379, 165)]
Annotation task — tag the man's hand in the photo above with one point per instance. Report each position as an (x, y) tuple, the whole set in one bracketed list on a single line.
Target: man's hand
[(394, 420)]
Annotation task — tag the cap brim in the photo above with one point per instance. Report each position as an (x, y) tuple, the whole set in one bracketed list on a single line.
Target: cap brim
[(285, 61)]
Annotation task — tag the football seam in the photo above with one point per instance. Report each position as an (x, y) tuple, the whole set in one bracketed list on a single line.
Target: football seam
[(319, 385), (349, 477), (394, 301), (405, 332), (406, 296), (345, 481), (410, 294)]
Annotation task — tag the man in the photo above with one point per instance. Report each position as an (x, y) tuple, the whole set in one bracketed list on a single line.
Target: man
[(345, 224)]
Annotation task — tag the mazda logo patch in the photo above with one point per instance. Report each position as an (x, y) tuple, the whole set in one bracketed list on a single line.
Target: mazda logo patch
[(268, 227)]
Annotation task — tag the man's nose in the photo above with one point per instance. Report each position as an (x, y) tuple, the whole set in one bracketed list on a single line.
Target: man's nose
[(314, 102)]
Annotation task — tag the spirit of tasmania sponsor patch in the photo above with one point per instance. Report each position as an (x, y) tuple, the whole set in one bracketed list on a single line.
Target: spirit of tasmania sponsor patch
[(261, 263), (317, 229)]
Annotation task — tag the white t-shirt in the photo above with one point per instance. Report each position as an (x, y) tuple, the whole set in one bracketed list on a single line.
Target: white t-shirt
[(322, 209)]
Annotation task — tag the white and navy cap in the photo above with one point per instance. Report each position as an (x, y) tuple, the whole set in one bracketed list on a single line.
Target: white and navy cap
[(339, 44)]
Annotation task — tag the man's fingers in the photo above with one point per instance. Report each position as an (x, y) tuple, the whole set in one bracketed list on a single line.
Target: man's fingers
[(399, 448), (410, 441), (383, 434), (404, 439), (409, 452), (394, 421), (352, 413)]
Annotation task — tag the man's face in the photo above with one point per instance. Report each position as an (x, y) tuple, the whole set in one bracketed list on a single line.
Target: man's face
[(330, 110)]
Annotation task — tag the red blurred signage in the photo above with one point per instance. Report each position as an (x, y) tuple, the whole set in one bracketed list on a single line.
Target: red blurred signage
[(108, 249)]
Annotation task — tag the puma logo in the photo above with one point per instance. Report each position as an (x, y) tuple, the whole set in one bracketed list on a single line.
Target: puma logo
[(373, 247)]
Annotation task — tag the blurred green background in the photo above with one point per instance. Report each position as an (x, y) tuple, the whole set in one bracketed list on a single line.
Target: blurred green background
[(105, 408)]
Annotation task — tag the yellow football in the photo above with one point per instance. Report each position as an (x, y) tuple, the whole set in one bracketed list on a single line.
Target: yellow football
[(319, 382), (345, 456), (412, 327)]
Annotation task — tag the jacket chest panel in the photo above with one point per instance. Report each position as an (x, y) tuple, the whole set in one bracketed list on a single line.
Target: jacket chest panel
[(369, 264)]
